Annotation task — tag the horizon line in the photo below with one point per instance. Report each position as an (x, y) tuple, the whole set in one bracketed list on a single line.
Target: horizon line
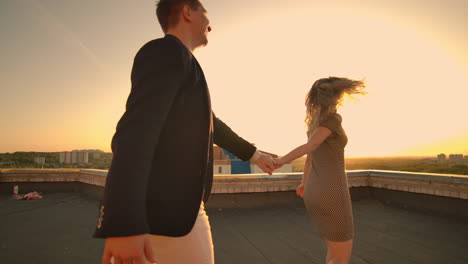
[(350, 157)]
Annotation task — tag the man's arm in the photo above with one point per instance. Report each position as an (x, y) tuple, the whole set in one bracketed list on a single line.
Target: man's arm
[(229, 140), (156, 76)]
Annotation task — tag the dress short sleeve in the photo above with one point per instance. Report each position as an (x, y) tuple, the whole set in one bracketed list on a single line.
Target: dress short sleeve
[(333, 123)]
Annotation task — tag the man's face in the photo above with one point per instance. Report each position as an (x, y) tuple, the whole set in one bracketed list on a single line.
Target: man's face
[(201, 26)]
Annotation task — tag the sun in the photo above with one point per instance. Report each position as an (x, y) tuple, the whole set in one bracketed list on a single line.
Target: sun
[(416, 88)]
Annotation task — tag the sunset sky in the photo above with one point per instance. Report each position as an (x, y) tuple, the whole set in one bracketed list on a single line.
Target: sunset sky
[(65, 70)]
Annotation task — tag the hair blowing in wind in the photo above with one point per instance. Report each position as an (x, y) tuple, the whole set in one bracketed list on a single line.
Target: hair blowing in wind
[(326, 95)]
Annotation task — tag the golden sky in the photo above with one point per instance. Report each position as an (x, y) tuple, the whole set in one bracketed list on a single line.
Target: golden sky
[(65, 72)]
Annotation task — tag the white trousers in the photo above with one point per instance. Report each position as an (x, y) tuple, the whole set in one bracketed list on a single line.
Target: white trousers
[(194, 248)]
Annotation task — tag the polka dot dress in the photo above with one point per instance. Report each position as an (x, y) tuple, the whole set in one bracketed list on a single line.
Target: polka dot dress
[(326, 192)]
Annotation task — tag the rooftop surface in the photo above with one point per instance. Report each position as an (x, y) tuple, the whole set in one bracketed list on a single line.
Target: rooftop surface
[(257, 228)]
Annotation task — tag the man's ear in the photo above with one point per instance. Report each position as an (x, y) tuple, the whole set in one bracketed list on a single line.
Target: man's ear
[(187, 13)]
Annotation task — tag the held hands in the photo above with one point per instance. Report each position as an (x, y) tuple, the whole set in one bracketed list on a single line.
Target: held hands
[(265, 162), (278, 163), (131, 249)]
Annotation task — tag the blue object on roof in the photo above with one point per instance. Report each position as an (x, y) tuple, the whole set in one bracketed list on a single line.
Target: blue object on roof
[(238, 166)]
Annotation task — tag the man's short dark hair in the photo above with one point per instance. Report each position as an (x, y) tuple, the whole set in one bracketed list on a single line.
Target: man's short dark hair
[(168, 11)]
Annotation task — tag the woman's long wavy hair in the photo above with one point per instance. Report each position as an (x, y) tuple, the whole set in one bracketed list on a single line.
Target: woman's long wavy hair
[(325, 96)]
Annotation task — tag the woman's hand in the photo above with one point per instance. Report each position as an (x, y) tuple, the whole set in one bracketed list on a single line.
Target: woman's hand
[(278, 163), (300, 190)]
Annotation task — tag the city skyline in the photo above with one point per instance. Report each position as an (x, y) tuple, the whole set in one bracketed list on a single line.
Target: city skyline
[(447, 155), (65, 71)]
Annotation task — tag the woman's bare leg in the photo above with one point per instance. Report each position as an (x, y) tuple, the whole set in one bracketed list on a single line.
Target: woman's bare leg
[(339, 252)]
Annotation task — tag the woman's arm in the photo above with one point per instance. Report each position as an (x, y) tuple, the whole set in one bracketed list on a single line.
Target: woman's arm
[(315, 140), (307, 167)]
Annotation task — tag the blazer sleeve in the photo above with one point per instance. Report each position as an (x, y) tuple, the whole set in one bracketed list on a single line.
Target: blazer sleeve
[(227, 139), (156, 79)]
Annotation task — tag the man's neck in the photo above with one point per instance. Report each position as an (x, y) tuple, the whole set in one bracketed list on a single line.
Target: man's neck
[(184, 37)]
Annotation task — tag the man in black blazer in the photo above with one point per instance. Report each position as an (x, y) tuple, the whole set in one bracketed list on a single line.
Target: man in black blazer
[(162, 170)]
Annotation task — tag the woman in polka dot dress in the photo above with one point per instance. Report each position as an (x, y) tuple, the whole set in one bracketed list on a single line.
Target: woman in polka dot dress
[(324, 185)]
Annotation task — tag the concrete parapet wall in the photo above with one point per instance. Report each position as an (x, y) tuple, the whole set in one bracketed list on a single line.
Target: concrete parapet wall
[(254, 183), (444, 185), (454, 186), (73, 175)]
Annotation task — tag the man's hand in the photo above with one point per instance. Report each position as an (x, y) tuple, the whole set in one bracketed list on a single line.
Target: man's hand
[(265, 162), (131, 249)]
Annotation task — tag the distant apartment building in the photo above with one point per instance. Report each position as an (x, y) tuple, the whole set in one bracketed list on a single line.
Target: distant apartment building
[(442, 158), (221, 162), (39, 160), (456, 158), (65, 157), (96, 155), (225, 162), (74, 157)]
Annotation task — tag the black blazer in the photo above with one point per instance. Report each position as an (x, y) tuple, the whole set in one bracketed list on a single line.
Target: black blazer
[(162, 166)]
